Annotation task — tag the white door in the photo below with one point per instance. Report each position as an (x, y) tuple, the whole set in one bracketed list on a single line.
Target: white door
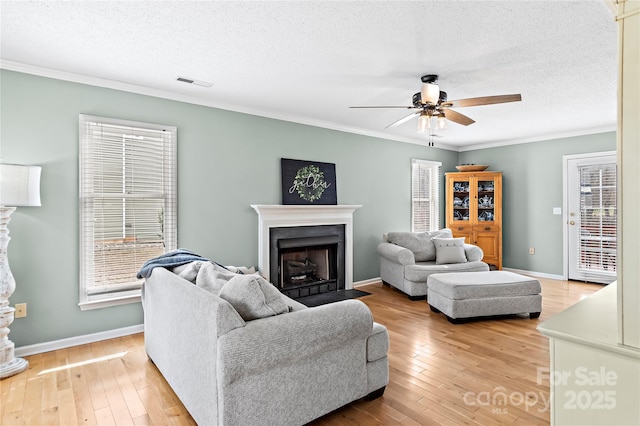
[(591, 218)]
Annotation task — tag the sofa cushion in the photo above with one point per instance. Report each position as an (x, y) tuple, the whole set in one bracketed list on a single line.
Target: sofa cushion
[(420, 243), (419, 272), (449, 250), (253, 297)]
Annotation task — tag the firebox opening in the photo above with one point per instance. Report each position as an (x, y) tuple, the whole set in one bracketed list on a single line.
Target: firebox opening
[(307, 260), (309, 265)]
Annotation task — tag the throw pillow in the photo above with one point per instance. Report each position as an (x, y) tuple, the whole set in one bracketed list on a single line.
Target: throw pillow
[(212, 277), (189, 271), (420, 243), (449, 250), (241, 269), (253, 297)]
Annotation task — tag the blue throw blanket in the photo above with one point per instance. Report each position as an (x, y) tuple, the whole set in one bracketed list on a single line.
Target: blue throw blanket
[(169, 260)]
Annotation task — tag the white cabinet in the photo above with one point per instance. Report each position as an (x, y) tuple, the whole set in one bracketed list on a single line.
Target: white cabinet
[(593, 379)]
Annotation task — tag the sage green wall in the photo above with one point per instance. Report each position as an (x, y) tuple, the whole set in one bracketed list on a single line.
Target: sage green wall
[(226, 161), (532, 187)]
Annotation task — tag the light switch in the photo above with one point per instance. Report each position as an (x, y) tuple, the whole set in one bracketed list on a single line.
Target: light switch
[(557, 210)]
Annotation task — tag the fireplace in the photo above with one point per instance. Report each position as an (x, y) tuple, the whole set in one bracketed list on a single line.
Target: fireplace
[(307, 260), (310, 219)]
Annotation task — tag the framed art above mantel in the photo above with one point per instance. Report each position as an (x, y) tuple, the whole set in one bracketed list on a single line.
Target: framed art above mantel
[(308, 182)]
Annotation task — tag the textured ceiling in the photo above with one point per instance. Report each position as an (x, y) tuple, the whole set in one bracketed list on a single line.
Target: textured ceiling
[(309, 61)]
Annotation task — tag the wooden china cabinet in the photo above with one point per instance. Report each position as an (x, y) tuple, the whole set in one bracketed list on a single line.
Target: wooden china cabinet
[(474, 211)]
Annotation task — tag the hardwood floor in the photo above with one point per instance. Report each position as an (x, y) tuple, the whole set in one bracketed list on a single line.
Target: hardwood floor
[(479, 373)]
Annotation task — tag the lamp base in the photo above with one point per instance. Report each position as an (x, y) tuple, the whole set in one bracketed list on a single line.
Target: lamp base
[(13, 367), (9, 364)]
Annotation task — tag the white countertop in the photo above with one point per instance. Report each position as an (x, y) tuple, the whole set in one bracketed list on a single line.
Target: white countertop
[(592, 321)]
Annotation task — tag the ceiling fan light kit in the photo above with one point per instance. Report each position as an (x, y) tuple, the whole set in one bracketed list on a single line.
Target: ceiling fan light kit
[(442, 121), (432, 102), (430, 93), (424, 122)]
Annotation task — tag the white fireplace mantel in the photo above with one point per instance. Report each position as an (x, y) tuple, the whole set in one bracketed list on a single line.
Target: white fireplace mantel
[(277, 216)]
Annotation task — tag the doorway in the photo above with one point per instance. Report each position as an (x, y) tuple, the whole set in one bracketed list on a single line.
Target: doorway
[(590, 217)]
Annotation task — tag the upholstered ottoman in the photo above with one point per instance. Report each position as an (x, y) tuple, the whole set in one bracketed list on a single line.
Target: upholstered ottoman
[(464, 295)]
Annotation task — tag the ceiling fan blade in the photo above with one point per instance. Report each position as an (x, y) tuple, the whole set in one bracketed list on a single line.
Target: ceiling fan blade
[(485, 100), (403, 120), (456, 117), (403, 107)]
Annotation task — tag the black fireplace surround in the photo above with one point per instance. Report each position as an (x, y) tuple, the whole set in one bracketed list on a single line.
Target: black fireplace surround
[(307, 260)]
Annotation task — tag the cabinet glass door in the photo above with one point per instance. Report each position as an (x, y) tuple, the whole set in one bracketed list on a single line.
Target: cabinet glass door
[(461, 200), (486, 200)]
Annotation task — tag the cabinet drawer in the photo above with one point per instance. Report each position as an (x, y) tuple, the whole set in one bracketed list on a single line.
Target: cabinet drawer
[(486, 227), (456, 229)]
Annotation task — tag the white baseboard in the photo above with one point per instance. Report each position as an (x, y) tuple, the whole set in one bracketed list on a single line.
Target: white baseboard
[(365, 282), (535, 274), (77, 340)]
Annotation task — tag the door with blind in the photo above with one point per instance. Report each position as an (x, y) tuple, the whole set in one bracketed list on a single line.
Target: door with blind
[(591, 218)]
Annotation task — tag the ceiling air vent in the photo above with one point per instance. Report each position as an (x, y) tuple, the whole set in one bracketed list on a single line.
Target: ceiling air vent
[(192, 81)]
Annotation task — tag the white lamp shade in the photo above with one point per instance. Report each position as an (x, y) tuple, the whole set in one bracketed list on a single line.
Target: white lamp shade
[(19, 185), (430, 93)]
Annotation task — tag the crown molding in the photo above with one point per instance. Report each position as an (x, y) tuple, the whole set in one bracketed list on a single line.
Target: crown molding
[(541, 138), (150, 91)]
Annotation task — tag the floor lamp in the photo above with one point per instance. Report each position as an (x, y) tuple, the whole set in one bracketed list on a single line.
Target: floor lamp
[(19, 186)]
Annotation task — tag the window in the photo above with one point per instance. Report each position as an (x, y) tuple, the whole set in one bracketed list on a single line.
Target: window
[(127, 205), (425, 195)]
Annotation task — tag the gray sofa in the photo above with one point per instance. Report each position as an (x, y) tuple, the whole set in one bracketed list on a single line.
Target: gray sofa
[(408, 258), (289, 367)]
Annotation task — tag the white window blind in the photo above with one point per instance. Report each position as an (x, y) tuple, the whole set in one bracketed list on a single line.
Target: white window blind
[(598, 226), (425, 195), (127, 205)]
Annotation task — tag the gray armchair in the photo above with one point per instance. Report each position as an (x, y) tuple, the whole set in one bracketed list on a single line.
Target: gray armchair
[(408, 258)]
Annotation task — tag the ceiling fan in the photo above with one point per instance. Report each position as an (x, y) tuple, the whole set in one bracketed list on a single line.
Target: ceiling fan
[(432, 102)]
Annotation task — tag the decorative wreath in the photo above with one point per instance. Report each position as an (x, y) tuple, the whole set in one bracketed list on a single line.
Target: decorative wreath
[(309, 183)]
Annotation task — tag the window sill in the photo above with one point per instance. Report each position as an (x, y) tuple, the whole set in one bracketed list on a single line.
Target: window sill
[(107, 303)]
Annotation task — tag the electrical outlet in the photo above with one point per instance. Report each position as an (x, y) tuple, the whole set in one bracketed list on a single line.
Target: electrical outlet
[(21, 310), (532, 250)]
